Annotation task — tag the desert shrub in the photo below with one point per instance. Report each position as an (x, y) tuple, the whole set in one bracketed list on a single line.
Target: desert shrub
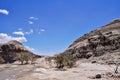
[(116, 69), (70, 64), (64, 60), (1, 60), (24, 57), (59, 60), (117, 63), (33, 59)]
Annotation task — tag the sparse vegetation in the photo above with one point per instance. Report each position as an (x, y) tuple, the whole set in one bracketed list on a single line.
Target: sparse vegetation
[(33, 59), (116, 69), (64, 60), (1, 60), (24, 57)]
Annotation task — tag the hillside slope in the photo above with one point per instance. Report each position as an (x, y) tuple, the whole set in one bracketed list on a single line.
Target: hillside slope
[(102, 41), (10, 50)]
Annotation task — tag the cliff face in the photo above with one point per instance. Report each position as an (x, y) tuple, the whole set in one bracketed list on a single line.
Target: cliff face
[(104, 40), (9, 51)]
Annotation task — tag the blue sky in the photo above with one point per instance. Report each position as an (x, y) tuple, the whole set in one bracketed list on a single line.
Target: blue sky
[(48, 27)]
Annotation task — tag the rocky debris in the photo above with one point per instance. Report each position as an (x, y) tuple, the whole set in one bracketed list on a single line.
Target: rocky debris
[(98, 76), (60, 69), (104, 40), (112, 75), (116, 76), (93, 61)]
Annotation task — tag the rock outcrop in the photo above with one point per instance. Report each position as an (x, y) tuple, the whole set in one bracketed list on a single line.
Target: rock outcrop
[(104, 40), (9, 51)]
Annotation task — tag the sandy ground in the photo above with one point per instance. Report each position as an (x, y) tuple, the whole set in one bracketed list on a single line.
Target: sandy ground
[(83, 71), (44, 70), (13, 71)]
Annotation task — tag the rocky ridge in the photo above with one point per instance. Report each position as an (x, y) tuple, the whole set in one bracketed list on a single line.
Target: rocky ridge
[(10, 50), (102, 41)]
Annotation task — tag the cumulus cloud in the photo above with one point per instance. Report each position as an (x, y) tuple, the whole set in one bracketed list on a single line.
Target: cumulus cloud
[(33, 18), (30, 22), (30, 32), (20, 39), (5, 38), (4, 11), (19, 33)]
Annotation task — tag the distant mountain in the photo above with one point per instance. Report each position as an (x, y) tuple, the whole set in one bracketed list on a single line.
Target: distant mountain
[(100, 42), (10, 50)]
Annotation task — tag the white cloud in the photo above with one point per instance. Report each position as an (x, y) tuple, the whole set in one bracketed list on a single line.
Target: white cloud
[(5, 38), (30, 32), (30, 22), (33, 18), (31, 49), (42, 30), (4, 11), (20, 39), (19, 33)]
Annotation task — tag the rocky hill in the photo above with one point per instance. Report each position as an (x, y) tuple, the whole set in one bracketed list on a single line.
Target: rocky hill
[(104, 41), (9, 51)]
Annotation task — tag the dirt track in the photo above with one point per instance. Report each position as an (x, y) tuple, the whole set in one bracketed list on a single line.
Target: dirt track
[(84, 71), (11, 71), (42, 71)]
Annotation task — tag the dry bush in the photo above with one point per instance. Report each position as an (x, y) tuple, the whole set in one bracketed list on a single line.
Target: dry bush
[(24, 57), (1, 60), (64, 60)]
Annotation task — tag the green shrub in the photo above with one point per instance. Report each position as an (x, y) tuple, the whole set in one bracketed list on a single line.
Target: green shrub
[(64, 60), (24, 57), (70, 64), (1, 60)]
